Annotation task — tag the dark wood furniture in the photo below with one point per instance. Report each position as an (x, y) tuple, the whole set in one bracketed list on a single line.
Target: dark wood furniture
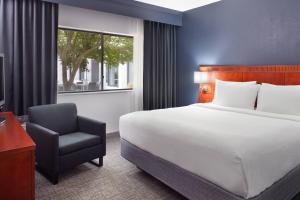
[(273, 74), (17, 161)]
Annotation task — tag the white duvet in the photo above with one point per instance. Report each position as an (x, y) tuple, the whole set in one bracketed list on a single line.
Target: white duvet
[(242, 151)]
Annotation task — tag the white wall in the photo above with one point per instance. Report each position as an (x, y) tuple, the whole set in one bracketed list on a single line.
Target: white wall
[(105, 106), (91, 20)]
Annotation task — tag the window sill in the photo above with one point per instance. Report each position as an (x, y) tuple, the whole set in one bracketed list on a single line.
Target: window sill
[(96, 92)]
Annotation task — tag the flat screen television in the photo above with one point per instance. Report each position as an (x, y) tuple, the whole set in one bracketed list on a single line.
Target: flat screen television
[(2, 81)]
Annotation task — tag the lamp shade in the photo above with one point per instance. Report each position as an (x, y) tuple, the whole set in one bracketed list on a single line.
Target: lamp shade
[(200, 77)]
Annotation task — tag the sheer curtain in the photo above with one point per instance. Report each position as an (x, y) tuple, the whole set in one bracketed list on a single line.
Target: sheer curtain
[(138, 62)]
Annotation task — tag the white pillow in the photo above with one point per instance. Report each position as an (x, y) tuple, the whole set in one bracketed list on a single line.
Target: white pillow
[(218, 82), (236, 95), (279, 99)]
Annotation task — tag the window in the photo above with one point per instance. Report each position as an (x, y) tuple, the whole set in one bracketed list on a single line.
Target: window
[(90, 61)]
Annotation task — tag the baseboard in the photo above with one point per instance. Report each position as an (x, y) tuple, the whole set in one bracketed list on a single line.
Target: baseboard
[(113, 134)]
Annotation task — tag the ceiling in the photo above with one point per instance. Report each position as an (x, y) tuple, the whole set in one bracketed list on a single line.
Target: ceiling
[(179, 5)]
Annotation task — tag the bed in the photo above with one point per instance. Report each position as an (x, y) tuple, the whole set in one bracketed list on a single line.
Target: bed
[(205, 151)]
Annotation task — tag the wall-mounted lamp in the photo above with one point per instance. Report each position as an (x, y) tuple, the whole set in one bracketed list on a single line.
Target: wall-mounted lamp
[(201, 78)]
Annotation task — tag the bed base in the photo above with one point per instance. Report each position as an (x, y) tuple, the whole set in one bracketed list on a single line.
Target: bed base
[(196, 188)]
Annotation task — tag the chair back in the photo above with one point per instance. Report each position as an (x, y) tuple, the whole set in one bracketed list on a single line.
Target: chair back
[(61, 118)]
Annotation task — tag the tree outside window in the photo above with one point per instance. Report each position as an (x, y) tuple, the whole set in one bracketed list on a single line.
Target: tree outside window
[(88, 61)]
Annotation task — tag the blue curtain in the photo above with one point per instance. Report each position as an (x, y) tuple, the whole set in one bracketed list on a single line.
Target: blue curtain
[(28, 40), (159, 65)]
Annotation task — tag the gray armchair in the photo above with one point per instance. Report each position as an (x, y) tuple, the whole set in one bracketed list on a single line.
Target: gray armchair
[(63, 139)]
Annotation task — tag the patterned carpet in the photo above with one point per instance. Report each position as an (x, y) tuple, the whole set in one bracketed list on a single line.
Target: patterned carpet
[(116, 180)]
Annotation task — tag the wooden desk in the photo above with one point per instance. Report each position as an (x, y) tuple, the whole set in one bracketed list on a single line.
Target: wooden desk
[(17, 161)]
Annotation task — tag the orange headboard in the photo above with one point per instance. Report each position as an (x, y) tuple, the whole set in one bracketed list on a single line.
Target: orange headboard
[(274, 74)]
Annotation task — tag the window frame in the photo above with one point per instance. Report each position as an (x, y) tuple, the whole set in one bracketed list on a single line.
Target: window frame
[(102, 60)]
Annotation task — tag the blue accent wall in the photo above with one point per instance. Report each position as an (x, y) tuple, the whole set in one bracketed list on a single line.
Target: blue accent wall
[(128, 8), (236, 32)]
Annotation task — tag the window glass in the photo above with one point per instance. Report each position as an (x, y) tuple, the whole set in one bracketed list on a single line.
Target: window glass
[(118, 56), (84, 56)]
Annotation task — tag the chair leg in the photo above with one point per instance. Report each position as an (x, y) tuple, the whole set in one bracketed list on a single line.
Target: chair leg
[(99, 164), (54, 178)]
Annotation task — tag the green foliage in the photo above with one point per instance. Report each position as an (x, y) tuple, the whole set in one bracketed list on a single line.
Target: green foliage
[(75, 47), (117, 50)]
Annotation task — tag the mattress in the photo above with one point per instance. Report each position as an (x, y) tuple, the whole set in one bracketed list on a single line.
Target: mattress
[(242, 151)]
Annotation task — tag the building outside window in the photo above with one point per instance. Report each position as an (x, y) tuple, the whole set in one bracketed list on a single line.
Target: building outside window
[(91, 61)]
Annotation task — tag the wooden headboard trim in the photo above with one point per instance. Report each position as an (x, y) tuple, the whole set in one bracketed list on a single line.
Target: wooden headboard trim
[(257, 68), (274, 74)]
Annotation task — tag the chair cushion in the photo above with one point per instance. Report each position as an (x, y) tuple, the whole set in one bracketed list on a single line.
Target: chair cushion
[(72, 142), (61, 118)]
